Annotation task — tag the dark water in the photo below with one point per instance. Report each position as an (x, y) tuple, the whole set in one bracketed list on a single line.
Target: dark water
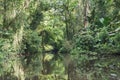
[(104, 68)]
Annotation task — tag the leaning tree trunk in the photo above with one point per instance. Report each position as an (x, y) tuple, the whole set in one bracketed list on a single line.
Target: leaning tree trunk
[(11, 19), (18, 68)]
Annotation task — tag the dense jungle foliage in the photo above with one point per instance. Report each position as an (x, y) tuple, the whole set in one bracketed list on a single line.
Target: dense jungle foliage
[(59, 40)]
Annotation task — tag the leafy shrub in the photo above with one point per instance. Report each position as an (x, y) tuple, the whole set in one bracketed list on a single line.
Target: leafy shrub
[(31, 46), (85, 42), (6, 62), (31, 41), (102, 36)]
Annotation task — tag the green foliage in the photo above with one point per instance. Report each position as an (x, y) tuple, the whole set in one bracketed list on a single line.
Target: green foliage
[(101, 42), (31, 47), (66, 47), (6, 62), (102, 36), (32, 41), (85, 42)]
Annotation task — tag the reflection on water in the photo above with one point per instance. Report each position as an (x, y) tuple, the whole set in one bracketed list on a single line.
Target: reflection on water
[(104, 68)]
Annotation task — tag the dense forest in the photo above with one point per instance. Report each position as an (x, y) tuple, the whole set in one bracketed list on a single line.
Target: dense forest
[(59, 39)]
